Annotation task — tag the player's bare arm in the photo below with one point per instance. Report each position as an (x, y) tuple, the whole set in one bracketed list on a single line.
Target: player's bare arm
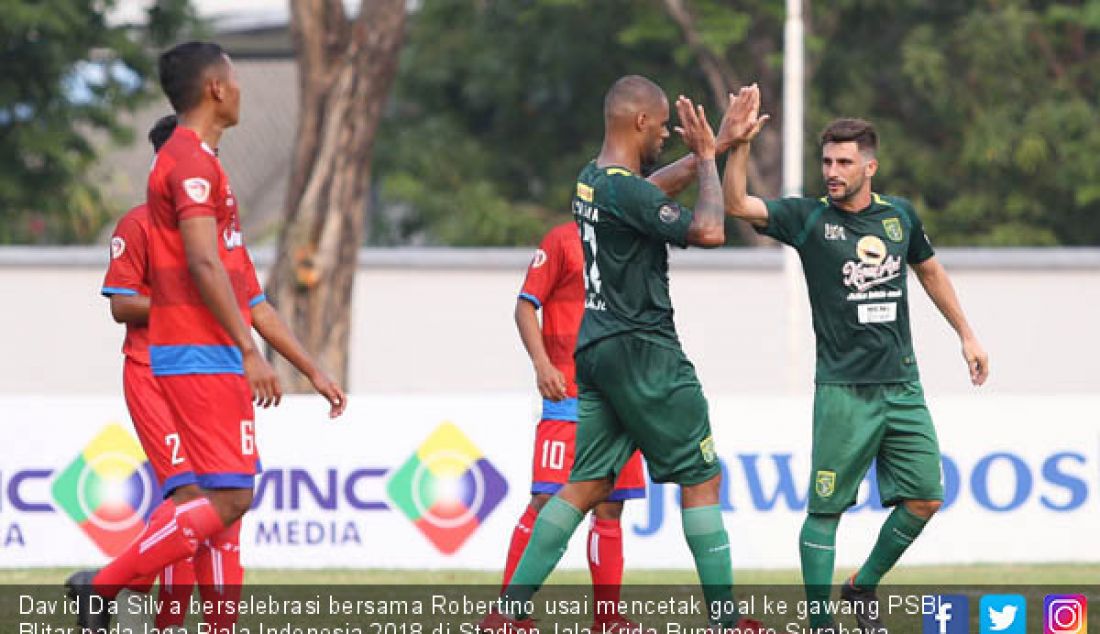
[(933, 277), (675, 177), (740, 125), (267, 322), (708, 227), (551, 381), (130, 309), (200, 243)]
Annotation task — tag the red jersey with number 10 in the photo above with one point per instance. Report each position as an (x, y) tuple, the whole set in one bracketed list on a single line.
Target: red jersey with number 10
[(555, 283), (187, 181)]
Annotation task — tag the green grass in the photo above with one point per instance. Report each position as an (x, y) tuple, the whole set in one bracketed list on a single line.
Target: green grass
[(1060, 573)]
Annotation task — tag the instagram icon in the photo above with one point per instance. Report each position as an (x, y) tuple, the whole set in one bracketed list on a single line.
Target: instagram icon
[(1065, 614)]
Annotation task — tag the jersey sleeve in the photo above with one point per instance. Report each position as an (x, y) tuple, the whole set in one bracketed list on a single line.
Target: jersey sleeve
[(192, 184), (787, 219), (920, 247), (544, 271), (256, 293), (129, 258), (646, 209)]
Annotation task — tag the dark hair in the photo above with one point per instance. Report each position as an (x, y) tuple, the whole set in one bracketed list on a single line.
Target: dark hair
[(181, 70), (161, 130), (858, 130)]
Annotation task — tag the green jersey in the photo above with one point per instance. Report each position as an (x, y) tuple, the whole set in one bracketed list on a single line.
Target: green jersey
[(626, 224), (856, 268)]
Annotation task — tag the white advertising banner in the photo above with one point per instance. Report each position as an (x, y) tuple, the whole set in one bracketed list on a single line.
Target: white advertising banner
[(437, 481)]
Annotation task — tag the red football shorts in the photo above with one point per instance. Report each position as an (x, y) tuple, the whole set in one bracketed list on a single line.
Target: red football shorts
[(155, 425), (214, 416), (555, 445)]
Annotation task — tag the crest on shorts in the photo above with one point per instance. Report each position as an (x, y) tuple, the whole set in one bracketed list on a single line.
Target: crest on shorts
[(197, 188), (707, 449), (893, 229), (825, 483)]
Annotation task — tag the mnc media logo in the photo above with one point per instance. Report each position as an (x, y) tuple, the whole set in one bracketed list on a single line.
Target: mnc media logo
[(447, 488), (109, 490)]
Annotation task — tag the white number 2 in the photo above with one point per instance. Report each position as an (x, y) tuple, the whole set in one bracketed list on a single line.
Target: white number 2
[(248, 437), (173, 441)]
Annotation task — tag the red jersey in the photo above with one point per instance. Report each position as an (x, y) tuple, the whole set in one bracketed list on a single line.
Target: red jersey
[(127, 274), (187, 181), (555, 284)]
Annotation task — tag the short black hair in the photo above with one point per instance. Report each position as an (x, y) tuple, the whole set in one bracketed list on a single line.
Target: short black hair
[(161, 130), (630, 94), (181, 70), (845, 130)]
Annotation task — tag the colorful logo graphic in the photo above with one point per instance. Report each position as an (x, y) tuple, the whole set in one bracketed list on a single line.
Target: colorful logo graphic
[(447, 488), (109, 490), (1065, 614), (1005, 613), (948, 614)]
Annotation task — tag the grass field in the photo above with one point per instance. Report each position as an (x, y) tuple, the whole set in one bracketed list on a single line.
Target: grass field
[(1068, 574)]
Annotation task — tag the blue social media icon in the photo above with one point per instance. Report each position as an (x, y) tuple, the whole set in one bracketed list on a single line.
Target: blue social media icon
[(946, 614), (1003, 614)]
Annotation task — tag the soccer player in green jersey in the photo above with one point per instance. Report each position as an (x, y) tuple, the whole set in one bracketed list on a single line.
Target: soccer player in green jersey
[(637, 390), (856, 247)]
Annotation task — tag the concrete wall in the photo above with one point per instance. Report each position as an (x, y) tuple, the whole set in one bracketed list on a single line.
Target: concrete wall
[(441, 320)]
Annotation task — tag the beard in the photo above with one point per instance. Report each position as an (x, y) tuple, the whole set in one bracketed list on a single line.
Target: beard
[(850, 190), (650, 161)]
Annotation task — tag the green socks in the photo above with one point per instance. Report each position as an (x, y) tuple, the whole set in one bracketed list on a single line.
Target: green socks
[(900, 529), (817, 547), (710, 546), (549, 539)]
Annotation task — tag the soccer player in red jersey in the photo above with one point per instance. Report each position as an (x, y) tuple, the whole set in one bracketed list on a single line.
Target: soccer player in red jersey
[(200, 346), (555, 284), (217, 560)]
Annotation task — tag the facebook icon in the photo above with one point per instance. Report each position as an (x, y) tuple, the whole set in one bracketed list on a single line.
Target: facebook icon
[(946, 614)]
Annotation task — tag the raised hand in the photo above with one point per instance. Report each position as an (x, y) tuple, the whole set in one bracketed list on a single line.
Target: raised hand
[(694, 128), (742, 120)]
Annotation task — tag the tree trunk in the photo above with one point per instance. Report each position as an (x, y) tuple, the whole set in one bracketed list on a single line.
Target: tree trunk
[(764, 175), (345, 70)]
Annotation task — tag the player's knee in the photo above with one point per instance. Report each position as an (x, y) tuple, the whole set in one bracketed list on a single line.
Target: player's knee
[(609, 511), (923, 508), (701, 494), (231, 504), (539, 500)]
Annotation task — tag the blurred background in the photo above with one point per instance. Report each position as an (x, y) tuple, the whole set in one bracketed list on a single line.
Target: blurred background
[(398, 160)]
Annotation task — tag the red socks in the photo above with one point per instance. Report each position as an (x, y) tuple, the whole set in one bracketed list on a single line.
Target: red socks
[(219, 573), (605, 561), (520, 536), (177, 582), (169, 537)]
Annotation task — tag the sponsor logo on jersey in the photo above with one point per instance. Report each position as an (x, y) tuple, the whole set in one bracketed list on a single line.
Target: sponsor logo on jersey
[(834, 232), (825, 483), (232, 238), (584, 192), (668, 214), (893, 229), (118, 247), (875, 266), (198, 189), (539, 259)]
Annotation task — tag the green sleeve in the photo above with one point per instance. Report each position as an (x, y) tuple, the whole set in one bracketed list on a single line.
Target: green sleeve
[(787, 219), (642, 206), (920, 247)]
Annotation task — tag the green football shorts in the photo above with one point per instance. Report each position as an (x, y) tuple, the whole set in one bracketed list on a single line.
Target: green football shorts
[(638, 394), (855, 424)]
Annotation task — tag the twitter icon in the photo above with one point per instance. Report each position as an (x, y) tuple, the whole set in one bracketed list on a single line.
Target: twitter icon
[(1003, 614)]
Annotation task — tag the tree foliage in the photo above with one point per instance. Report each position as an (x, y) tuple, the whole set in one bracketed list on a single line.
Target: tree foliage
[(66, 76), (986, 110)]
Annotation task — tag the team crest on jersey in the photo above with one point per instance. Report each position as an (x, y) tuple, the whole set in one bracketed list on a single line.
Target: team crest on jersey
[(539, 259), (707, 449), (825, 483), (668, 214), (198, 189), (893, 229), (118, 247)]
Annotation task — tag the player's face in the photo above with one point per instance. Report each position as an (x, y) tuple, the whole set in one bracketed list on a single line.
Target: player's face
[(655, 130), (845, 170), (230, 94)]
